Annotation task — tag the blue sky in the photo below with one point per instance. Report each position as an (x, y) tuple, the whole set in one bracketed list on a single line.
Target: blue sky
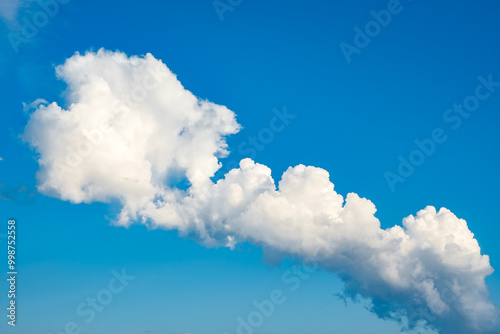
[(353, 119)]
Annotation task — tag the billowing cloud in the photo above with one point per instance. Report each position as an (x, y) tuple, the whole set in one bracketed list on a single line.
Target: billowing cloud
[(131, 132)]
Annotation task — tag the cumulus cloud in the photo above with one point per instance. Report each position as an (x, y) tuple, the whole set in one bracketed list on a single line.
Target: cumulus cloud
[(131, 132)]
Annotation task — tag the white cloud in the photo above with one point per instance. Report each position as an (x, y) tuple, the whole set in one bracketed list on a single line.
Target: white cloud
[(8, 9), (132, 131), (33, 105), (123, 136)]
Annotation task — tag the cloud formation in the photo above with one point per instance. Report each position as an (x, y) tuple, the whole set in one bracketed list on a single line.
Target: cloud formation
[(133, 133)]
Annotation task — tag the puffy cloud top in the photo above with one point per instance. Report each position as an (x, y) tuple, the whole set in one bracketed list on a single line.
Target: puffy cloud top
[(130, 128)]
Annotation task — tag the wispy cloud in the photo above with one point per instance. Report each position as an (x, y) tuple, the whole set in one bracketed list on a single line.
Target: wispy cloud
[(8, 9)]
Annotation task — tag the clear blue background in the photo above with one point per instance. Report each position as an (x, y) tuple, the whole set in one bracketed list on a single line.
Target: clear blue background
[(353, 120)]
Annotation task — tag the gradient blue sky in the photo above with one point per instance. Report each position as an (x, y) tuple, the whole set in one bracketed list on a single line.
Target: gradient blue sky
[(353, 120)]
